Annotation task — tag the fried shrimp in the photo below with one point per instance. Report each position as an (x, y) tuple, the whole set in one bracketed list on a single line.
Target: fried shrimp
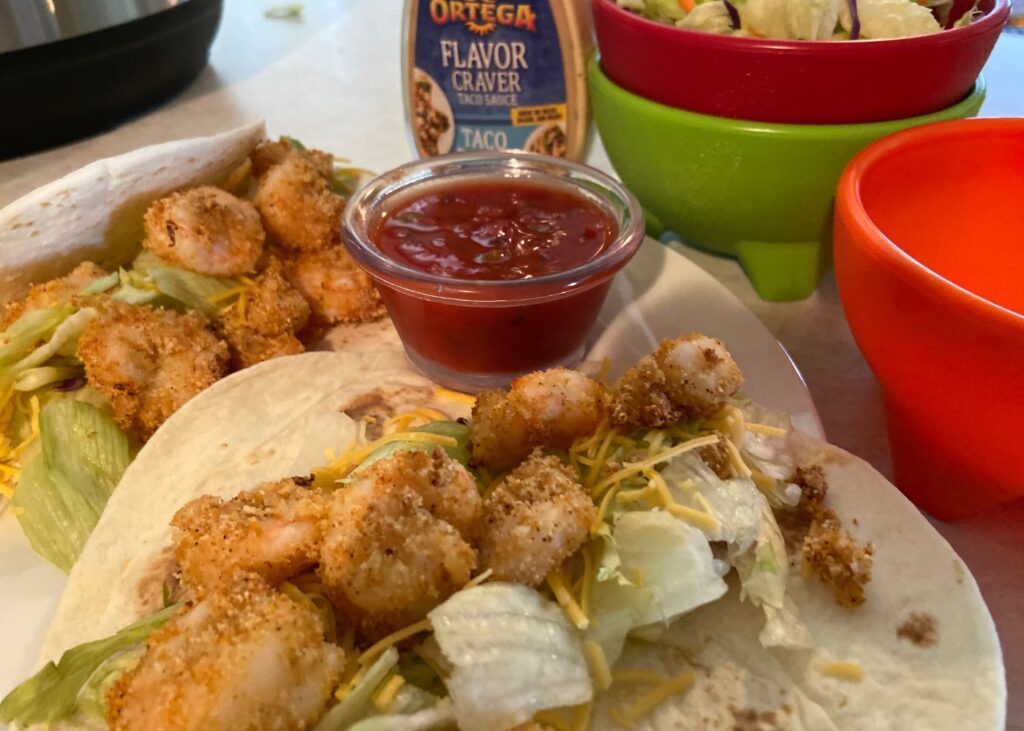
[(536, 517), (447, 489), (337, 290), (207, 230), (543, 409), (248, 658), (265, 323), (294, 197), (55, 292), (272, 531), (685, 378), (386, 559), (149, 362)]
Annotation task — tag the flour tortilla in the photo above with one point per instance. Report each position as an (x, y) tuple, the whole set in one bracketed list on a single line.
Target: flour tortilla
[(276, 419), (95, 213), (273, 420), (956, 683)]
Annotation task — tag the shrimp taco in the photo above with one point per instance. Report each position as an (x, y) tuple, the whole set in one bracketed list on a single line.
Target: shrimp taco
[(368, 552), (137, 282)]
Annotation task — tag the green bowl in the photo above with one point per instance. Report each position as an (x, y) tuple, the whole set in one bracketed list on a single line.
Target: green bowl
[(758, 191)]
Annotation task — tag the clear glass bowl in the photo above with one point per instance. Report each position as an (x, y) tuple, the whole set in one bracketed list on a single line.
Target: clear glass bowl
[(471, 334)]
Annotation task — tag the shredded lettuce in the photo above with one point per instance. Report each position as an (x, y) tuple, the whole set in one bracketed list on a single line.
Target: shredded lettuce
[(63, 341), (65, 486), (155, 281), (30, 329), (513, 653), (438, 716), (53, 694), (763, 570), (103, 284), (654, 568), (356, 704), (36, 378)]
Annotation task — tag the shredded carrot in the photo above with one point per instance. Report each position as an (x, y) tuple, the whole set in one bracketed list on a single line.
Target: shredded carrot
[(687, 5)]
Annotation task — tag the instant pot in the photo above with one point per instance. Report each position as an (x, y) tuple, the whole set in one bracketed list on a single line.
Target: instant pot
[(70, 68)]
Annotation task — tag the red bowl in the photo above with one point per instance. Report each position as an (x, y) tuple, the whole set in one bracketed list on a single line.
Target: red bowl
[(796, 82), (929, 257)]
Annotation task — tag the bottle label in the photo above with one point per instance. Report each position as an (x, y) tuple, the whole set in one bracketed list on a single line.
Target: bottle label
[(487, 75)]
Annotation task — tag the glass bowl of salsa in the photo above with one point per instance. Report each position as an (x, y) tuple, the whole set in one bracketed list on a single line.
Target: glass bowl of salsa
[(493, 264)]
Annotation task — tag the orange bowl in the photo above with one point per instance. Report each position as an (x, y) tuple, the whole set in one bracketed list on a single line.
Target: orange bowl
[(929, 257)]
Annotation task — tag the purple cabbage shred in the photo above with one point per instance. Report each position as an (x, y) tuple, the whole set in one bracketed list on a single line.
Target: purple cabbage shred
[(70, 384), (734, 16), (854, 20)]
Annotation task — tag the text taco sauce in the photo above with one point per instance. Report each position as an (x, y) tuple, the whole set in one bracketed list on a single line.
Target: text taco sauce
[(496, 75)]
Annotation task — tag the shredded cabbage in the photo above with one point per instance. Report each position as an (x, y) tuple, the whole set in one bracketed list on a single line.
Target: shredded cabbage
[(439, 715), (513, 653), (54, 693)]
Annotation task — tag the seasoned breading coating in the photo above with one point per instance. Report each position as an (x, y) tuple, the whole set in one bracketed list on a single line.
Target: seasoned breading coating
[(813, 489), (447, 488), (536, 517), (246, 659), (719, 459), (273, 531), (55, 292), (543, 409), (299, 209), (386, 560), (685, 378), (833, 555), (273, 152), (336, 289), (206, 230), (149, 362), (266, 320)]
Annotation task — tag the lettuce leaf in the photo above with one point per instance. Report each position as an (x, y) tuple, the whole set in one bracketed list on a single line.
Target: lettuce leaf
[(53, 693), (438, 716), (654, 568), (454, 429), (29, 330), (64, 488), (763, 570), (356, 704), (513, 653)]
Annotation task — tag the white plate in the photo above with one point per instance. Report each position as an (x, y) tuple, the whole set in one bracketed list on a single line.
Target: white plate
[(660, 294)]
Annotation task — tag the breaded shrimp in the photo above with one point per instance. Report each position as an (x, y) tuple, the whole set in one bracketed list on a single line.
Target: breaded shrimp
[(207, 230), (536, 517), (149, 362), (58, 291), (386, 559), (245, 659), (299, 208), (686, 378), (335, 287), (447, 489), (270, 153), (543, 409), (264, 325), (272, 530)]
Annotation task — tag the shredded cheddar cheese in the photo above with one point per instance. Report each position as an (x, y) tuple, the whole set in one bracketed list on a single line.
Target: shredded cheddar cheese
[(388, 690), (843, 670), (477, 580), (768, 431), (636, 468), (598, 665), (639, 676), (566, 600), (353, 455), (463, 398), (628, 715)]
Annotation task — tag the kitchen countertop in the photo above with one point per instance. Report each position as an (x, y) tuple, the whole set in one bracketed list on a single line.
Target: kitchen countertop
[(331, 78)]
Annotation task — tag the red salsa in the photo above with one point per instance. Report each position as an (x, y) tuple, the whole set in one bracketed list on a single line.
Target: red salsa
[(494, 231)]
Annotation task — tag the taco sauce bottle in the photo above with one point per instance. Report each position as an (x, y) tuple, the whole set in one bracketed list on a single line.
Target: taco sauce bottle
[(497, 75)]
